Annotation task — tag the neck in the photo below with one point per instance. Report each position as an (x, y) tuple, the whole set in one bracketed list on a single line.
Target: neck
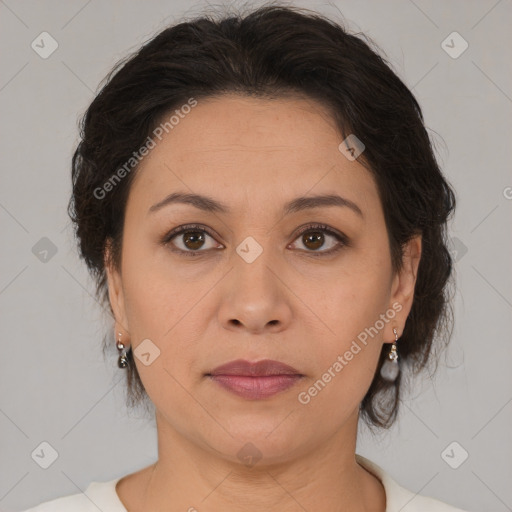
[(327, 477)]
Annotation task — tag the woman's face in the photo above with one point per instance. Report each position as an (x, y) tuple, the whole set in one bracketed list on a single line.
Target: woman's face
[(251, 286)]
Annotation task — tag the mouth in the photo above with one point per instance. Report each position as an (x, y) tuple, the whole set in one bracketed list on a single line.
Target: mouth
[(255, 381)]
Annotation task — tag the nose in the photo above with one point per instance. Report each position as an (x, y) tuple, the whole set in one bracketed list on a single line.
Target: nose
[(255, 297)]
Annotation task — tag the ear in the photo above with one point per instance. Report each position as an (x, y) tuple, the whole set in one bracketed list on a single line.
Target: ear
[(116, 292), (402, 288)]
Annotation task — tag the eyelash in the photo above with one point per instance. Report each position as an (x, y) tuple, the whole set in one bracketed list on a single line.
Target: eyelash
[(340, 237)]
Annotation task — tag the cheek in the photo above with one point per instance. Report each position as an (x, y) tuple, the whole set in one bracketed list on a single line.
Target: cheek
[(359, 294), (353, 307), (150, 293), (157, 313), (153, 310), (161, 304), (355, 338), (346, 361)]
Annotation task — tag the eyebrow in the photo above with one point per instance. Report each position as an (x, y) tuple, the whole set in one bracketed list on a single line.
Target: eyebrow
[(209, 204)]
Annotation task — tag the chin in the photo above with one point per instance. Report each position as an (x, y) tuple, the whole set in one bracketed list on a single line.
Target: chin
[(260, 441)]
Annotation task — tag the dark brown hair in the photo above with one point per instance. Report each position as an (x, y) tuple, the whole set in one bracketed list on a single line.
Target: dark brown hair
[(272, 52)]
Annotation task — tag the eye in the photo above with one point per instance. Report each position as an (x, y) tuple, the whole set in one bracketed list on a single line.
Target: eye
[(313, 237), (190, 239)]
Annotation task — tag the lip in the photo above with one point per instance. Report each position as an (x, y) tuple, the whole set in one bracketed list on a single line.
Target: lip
[(263, 368), (255, 381)]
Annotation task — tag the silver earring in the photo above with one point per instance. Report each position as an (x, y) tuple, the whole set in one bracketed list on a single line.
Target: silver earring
[(390, 368), (122, 362)]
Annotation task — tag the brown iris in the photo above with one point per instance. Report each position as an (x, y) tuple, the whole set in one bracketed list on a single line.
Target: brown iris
[(196, 238), (314, 237)]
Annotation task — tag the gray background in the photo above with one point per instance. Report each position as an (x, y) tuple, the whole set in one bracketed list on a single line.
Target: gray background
[(55, 385)]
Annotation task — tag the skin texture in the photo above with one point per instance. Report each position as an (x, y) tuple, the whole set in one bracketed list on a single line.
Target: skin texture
[(255, 155)]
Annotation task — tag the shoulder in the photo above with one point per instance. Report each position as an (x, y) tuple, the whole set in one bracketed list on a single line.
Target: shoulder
[(97, 496), (75, 502), (103, 496), (399, 498)]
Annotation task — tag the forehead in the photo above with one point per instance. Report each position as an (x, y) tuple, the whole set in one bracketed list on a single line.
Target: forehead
[(252, 148)]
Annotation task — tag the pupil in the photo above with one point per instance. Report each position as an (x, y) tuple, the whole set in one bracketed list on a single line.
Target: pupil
[(194, 237), (310, 237)]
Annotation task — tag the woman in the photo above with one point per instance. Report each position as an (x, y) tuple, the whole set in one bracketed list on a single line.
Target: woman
[(259, 202)]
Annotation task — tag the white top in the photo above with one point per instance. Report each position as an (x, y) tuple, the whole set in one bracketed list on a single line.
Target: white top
[(103, 496)]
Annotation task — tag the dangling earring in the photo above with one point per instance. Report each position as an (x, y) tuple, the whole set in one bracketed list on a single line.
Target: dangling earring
[(390, 368), (122, 362)]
